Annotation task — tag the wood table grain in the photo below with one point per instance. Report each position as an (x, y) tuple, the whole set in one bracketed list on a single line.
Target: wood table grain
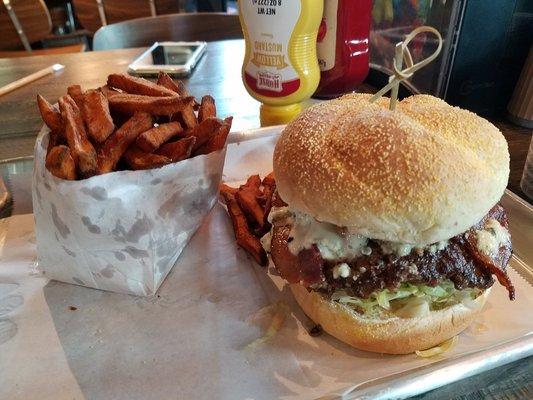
[(218, 74)]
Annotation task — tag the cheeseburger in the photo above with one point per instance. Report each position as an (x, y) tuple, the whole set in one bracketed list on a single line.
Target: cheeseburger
[(387, 224)]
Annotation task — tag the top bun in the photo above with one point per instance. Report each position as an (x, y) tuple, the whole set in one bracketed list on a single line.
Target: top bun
[(423, 173)]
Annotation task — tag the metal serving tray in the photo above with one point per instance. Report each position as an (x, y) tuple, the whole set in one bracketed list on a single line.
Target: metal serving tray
[(425, 378), (422, 379), (253, 149)]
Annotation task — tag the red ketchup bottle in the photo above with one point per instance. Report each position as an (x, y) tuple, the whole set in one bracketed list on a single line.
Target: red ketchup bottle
[(343, 46)]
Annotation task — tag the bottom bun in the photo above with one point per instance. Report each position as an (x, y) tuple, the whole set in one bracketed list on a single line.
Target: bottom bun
[(392, 335)]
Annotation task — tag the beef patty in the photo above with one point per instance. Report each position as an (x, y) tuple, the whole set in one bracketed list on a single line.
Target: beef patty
[(460, 262)]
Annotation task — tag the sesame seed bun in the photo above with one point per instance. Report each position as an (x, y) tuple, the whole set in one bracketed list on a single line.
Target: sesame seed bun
[(423, 173), (393, 335)]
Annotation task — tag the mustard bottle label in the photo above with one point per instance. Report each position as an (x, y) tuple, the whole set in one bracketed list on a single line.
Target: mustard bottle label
[(327, 41), (269, 71)]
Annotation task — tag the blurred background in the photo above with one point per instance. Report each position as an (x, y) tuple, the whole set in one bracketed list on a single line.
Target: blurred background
[(485, 42)]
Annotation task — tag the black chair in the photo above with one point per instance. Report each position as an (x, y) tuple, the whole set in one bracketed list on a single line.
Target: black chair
[(23, 23), (212, 5), (143, 32), (93, 15)]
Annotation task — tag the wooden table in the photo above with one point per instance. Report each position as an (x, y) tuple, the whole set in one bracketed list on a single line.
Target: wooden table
[(218, 74)]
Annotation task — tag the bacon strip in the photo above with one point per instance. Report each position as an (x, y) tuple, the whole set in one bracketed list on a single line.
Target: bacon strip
[(307, 268), (461, 262), (491, 266), (311, 266)]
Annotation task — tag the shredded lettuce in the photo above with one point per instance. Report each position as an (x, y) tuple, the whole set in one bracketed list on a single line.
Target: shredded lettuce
[(409, 300)]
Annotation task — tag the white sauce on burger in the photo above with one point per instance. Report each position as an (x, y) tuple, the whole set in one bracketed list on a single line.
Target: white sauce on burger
[(332, 242), (491, 237), (341, 270), (400, 249), (266, 241), (278, 212), (336, 243)]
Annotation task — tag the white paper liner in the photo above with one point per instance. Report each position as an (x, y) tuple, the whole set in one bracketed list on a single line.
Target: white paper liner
[(121, 231), (190, 340)]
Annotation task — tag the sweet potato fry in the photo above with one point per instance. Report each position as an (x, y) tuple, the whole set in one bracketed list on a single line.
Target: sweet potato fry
[(181, 89), (108, 91), (119, 141), (244, 237), (187, 117), (227, 193), (265, 198), (51, 117), (76, 93), (176, 86), (150, 140), (207, 108), (218, 141), (138, 159), (204, 131), (253, 182), (131, 103), (268, 192), (179, 150), (81, 149), (246, 197), (227, 189), (277, 201), (96, 115), (269, 180), (60, 163), (53, 141), (134, 85), (261, 199), (163, 79)]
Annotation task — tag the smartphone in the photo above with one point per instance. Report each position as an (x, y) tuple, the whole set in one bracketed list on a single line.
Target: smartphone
[(175, 58)]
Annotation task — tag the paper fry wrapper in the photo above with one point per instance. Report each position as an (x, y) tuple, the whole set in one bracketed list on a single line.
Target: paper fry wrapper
[(122, 231)]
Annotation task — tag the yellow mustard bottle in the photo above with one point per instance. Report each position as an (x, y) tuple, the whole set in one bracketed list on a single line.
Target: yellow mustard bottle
[(280, 67)]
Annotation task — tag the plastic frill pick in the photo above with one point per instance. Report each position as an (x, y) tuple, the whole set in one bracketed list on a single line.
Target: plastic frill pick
[(402, 55)]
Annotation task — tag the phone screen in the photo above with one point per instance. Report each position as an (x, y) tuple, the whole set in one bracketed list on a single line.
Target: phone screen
[(168, 55)]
